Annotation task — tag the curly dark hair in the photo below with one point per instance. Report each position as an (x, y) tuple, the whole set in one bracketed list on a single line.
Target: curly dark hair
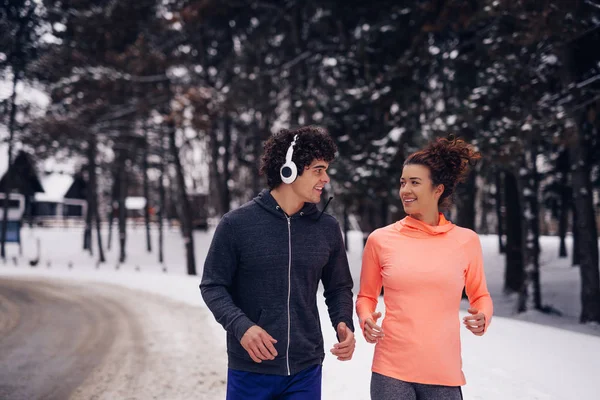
[(314, 143), (448, 160)]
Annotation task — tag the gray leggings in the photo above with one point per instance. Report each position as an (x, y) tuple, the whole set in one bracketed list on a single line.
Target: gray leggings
[(386, 388)]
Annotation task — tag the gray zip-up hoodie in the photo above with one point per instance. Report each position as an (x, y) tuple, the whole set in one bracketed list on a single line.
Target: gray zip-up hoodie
[(263, 268)]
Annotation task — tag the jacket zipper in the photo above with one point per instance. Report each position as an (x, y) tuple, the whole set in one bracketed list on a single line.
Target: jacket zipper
[(287, 352)]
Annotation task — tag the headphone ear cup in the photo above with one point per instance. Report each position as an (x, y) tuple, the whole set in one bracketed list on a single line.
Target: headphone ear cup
[(288, 172)]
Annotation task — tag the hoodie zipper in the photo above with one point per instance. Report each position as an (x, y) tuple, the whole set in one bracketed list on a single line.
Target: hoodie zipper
[(287, 352)]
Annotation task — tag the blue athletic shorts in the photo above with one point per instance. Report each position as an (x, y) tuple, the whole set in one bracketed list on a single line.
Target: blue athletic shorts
[(305, 385)]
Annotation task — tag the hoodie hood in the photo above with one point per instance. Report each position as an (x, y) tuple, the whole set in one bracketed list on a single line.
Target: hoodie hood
[(415, 228), (268, 202)]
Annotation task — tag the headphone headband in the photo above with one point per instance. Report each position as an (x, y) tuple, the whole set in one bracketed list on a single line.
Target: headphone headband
[(288, 171), (290, 152)]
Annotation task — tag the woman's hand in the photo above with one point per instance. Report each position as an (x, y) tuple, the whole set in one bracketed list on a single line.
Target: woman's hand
[(475, 322), (371, 331)]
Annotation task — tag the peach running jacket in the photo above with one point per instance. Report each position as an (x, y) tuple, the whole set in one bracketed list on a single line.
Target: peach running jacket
[(423, 270)]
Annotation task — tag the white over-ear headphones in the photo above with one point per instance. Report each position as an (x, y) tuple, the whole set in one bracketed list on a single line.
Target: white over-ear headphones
[(288, 171)]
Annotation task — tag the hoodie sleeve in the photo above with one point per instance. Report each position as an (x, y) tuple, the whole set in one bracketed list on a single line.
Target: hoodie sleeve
[(217, 280), (475, 283), (337, 282), (370, 282)]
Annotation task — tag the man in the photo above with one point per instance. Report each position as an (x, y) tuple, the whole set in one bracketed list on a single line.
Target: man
[(263, 269)]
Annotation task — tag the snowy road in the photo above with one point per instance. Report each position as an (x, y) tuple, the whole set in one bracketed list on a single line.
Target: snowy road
[(62, 340), (184, 347)]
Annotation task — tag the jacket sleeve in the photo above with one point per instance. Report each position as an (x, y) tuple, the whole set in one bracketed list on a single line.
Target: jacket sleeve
[(337, 282), (217, 280), (370, 282), (475, 283)]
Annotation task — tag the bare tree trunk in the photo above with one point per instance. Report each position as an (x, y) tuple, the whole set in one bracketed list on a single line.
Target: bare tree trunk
[(261, 121), (162, 206), (346, 225), (186, 210), (562, 231), (372, 217), (171, 201), (563, 217), (93, 189), (384, 210), (586, 227), (147, 193), (465, 202), (122, 211), (298, 75), (484, 205), (363, 211), (110, 227), (111, 209), (499, 190), (576, 259), (87, 232), (530, 296), (513, 272), (101, 257), (261, 130), (8, 180), (219, 172), (226, 198), (214, 174), (256, 150)]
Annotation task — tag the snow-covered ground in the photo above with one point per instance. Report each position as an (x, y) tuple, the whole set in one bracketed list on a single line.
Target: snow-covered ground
[(530, 356)]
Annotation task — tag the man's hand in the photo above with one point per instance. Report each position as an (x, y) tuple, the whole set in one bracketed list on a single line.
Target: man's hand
[(345, 348), (373, 332), (475, 322), (259, 344)]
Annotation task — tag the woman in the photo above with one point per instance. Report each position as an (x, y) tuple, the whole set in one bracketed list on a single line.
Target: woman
[(423, 261)]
